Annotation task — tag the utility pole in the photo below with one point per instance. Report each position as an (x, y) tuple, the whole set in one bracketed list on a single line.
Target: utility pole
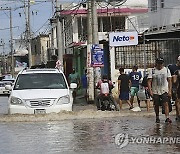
[(4, 56), (93, 74), (95, 40), (52, 8), (28, 31), (90, 70), (11, 41), (11, 44), (59, 35), (52, 21)]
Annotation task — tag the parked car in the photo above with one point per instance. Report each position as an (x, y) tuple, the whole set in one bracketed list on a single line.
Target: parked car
[(39, 91), (3, 90), (9, 80)]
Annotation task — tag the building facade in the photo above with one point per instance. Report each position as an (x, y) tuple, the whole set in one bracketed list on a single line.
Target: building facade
[(131, 16), (164, 14), (163, 35), (39, 49)]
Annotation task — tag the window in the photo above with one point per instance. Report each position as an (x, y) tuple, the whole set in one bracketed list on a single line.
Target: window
[(113, 23), (128, 56), (82, 28), (153, 5), (162, 3), (35, 49), (39, 81)]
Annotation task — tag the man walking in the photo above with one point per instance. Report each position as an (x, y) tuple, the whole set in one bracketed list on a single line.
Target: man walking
[(134, 77), (174, 68), (177, 81), (74, 78), (84, 84), (123, 88), (147, 95), (159, 84)]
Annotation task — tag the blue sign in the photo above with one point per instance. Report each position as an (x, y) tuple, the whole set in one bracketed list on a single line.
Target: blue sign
[(97, 56)]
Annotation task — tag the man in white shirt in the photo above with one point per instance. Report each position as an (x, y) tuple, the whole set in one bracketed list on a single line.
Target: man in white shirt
[(160, 85)]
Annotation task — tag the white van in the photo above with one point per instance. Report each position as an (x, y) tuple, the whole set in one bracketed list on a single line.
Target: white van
[(40, 91)]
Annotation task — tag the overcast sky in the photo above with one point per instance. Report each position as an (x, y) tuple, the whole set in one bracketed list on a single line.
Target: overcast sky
[(42, 11)]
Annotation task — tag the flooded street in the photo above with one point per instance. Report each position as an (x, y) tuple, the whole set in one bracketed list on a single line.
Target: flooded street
[(85, 131)]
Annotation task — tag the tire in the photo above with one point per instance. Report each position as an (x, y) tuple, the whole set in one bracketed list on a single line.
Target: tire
[(117, 107)]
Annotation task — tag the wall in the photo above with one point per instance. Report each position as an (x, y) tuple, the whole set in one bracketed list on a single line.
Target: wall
[(39, 49), (168, 15)]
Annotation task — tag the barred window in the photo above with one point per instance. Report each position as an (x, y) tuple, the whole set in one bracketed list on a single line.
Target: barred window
[(129, 56), (162, 3), (153, 5)]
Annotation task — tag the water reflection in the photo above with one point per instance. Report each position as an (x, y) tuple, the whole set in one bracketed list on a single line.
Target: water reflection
[(85, 135)]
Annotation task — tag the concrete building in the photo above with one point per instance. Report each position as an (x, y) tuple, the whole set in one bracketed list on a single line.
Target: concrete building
[(163, 34), (131, 16), (39, 48), (164, 14)]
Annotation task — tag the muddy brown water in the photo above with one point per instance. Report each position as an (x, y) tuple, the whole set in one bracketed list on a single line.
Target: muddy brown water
[(84, 131)]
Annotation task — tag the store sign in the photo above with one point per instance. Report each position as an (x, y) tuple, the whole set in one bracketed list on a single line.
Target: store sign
[(123, 39), (97, 56)]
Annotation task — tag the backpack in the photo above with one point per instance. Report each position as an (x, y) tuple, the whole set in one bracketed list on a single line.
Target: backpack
[(105, 87)]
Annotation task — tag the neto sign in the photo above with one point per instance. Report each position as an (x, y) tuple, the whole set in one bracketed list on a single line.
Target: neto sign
[(123, 38)]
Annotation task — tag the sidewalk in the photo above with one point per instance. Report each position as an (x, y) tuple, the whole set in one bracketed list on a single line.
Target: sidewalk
[(81, 105)]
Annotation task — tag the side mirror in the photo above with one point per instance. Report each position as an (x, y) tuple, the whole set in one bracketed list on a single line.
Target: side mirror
[(8, 87), (73, 85)]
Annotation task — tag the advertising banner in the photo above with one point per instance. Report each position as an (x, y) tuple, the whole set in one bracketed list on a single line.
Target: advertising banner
[(97, 56), (123, 39)]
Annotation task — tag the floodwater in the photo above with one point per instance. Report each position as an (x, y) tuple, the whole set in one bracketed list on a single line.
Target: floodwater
[(86, 131)]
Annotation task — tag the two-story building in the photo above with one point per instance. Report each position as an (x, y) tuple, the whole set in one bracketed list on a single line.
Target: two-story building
[(39, 49), (164, 29), (131, 16)]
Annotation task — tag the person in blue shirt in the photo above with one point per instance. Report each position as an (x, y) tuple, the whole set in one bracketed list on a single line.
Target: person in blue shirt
[(134, 78), (84, 84)]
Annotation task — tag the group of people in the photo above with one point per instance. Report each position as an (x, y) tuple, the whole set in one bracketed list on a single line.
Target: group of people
[(160, 83), (128, 83)]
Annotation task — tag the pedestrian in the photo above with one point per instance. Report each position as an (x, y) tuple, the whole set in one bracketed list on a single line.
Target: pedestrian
[(135, 77), (74, 78), (123, 88), (105, 85), (174, 68), (146, 90), (160, 85), (52, 62), (84, 84)]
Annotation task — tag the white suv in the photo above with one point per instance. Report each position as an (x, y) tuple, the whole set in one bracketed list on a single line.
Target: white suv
[(38, 91)]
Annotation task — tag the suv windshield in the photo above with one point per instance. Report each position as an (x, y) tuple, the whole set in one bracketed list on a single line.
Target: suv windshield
[(40, 81)]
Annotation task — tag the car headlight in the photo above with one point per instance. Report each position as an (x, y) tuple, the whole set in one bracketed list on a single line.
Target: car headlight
[(63, 100), (15, 101)]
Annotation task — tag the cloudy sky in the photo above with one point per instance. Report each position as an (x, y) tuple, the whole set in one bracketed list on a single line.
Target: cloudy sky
[(41, 11)]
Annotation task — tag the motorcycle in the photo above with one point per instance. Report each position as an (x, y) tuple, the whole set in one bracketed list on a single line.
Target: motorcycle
[(107, 102)]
